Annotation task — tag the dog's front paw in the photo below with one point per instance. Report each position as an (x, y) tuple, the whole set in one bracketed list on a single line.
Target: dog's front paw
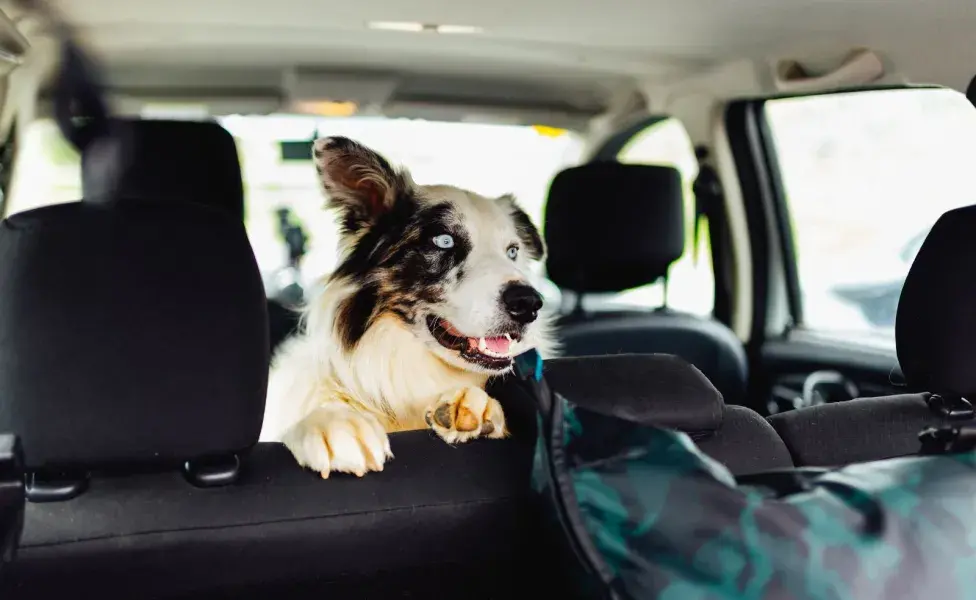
[(338, 438), (466, 414)]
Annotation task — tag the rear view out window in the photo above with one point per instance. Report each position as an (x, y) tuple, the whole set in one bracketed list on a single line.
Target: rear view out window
[(691, 282), (866, 175), (46, 169)]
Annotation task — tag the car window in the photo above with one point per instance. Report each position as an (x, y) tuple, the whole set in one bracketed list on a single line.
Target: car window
[(46, 169), (691, 282), (866, 175), (488, 159)]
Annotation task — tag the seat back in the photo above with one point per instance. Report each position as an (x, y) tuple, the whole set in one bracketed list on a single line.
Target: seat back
[(610, 227), (934, 329)]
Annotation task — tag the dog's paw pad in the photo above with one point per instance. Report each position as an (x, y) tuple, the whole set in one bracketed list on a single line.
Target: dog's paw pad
[(339, 439), (466, 414)]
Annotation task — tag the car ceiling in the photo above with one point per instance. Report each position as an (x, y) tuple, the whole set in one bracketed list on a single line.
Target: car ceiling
[(564, 55)]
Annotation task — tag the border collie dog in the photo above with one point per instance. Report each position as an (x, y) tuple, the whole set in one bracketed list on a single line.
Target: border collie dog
[(430, 298)]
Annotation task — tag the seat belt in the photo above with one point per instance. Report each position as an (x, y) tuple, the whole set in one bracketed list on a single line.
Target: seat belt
[(710, 207)]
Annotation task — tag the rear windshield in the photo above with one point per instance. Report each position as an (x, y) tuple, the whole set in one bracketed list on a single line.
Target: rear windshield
[(488, 159)]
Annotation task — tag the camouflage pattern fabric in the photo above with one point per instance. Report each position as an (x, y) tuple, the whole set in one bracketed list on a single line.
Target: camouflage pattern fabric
[(647, 515)]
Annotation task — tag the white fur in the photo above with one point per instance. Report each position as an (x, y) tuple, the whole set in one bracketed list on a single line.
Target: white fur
[(333, 408)]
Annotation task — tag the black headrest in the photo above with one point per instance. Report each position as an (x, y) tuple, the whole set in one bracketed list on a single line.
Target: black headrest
[(611, 227), (657, 389), (935, 327), (130, 332), (194, 161)]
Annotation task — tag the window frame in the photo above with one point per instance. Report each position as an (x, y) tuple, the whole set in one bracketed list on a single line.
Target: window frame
[(8, 151), (778, 303)]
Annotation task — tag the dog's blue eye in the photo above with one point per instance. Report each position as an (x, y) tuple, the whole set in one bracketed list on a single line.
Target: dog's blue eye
[(512, 252), (444, 241)]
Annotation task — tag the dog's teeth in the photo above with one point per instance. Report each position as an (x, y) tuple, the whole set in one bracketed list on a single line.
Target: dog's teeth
[(509, 338), (482, 344)]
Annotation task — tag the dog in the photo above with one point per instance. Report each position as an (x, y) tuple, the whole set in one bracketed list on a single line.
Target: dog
[(431, 297)]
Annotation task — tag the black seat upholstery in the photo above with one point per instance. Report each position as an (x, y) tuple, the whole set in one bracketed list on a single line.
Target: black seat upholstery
[(133, 332), (611, 227), (734, 435), (934, 329), (193, 161)]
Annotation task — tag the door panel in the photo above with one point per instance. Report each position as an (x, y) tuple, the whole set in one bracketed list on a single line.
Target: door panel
[(796, 373)]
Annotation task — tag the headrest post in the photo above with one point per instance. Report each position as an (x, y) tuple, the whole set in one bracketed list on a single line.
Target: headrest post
[(664, 286), (55, 486), (577, 304), (215, 471)]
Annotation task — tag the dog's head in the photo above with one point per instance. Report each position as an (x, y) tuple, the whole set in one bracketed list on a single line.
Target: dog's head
[(450, 264)]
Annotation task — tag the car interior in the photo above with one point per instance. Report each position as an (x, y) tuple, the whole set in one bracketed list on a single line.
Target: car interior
[(774, 192)]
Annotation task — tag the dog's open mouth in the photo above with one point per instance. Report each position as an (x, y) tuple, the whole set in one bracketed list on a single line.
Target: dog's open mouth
[(494, 352)]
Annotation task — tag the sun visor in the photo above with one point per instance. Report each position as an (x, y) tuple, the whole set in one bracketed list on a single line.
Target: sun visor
[(859, 68)]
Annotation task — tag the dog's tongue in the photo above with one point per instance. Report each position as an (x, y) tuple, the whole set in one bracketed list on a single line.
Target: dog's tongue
[(498, 345)]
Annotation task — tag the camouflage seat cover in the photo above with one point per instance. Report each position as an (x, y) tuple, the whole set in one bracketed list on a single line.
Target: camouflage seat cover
[(646, 515)]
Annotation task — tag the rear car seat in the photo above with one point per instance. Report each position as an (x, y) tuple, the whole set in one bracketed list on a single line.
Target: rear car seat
[(611, 227), (934, 328), (134, 341), (191, 161), (134, 338)]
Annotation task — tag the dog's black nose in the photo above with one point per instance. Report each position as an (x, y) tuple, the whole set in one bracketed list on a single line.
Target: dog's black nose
[(522, 302)]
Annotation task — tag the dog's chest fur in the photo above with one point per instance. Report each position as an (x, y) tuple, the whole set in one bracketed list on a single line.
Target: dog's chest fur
[(399, 375), (389, 373)]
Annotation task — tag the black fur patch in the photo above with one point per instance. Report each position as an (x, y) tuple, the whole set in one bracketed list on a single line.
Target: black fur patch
[(356, 314), (527, 231), (397, 257)]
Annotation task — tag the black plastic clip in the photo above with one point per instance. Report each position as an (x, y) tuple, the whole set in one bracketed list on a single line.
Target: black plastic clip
[(954, 408), (55, 486), (947, 439), (212, 471)]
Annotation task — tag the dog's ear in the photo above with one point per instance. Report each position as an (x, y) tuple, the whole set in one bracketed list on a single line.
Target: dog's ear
[(527, 231), (356, 179)]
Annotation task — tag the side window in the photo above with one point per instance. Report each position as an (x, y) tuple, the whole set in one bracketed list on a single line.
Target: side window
[(691, 282), (46, 170), (866, 175)]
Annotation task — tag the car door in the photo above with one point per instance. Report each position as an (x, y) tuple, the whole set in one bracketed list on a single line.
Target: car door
[(840, 190)]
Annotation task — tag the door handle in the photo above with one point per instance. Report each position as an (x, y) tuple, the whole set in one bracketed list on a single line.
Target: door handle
[(812, 396)]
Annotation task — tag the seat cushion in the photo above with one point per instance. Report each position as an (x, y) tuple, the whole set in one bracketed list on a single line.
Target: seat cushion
[(746, 443), (857, 430), (433, 506)]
